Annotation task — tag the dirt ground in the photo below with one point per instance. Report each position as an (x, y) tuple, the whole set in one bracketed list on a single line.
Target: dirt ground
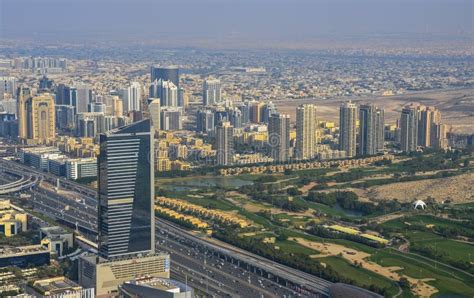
[(456, 106), (420, 287), (458, 189)]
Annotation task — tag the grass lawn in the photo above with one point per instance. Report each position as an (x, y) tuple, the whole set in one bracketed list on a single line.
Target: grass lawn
[(453, 249), (447, 281), (362, 277), (211, 203), (293, 247)]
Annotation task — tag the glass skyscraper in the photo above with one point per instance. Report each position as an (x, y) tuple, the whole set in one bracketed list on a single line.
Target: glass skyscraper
[(126, 191)]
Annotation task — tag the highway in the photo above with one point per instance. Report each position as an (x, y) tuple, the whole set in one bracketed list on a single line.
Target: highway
[(193, 258)]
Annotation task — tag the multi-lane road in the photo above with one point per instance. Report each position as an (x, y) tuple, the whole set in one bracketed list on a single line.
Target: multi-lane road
[(213, 267)]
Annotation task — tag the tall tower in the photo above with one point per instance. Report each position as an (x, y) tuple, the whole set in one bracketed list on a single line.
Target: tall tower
[(279, 137), (166, 73), (155, 111), (23, 95), (166, 91), (126, 191), (132, 97), (371, 123), (224, 143), (305, 131), (409, 128), (347, 128), (211, 92), (429, 119)]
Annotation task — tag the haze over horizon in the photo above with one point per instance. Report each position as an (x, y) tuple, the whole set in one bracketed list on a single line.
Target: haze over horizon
[(258, 21)]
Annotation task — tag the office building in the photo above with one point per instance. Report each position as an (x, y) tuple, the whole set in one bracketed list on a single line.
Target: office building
[(267, 110), (154, 108), (171, 119), (90, 125), (81, 168), (56, 239), (305, 131), (23, 95), (279, 137), (165, 73), (347, 128), (224, 144), (145, 287), (83, 96), (65, 117), (255, 111), (126, 191), (37, 118), (409, 128), (8, 87), (211, 92), (24, 256), (429, 121), (132, 97), (107, 275), (371, 130), (12, 221), (205, 120), (166, 91), (59, 287)]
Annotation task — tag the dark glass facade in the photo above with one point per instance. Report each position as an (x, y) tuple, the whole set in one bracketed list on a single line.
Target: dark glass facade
[(126, 191), (166, 74)]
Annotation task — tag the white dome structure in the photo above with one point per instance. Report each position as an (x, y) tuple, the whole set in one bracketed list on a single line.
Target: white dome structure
[(419, 203)]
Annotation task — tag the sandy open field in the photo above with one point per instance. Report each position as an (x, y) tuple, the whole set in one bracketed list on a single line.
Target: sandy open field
[(456, 106), (458, 189), (420, 287)]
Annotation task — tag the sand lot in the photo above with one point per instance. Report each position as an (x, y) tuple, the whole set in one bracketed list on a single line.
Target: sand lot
[(456, 106), (458, 189), (420, 287)]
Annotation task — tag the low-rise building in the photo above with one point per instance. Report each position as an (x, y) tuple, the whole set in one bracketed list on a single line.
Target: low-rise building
[(12, 221), (56, 239), (155, 287)]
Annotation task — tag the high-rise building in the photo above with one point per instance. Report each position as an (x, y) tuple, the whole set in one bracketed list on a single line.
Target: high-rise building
[(83, 96), (39, 126), (224, 143), (371, 130), (166, 91), (347, 128), (155, 112), (165, 73), (65, 117), (23, 95), (211, 92), (409, 128), (171, 118), (8, 85), (235, 117), (267, 110), (205, 120), (255, 111), (126, 191), (305, 131), (429, 119), (279, 137), (117, 106), (132, 97)]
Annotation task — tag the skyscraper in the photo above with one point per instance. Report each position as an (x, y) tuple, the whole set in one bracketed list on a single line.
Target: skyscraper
[(126, 191), (37, 117), (23, 95), (409, 128), (347, 128), (279, 137), (371, 126), (224, 143), (205, 120), (155, 111), (429, 119), (305, 131), (132, 97), (166, 91), (165, 73), (211, 92)]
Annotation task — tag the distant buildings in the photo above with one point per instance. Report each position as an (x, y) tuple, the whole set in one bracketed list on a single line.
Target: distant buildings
[(347, 128), (305, 131), (132, 97), (279, 137), (371, 130), (211, 92), (155, 287), (165, 73), (171, 118), (12, 222), (224, 144), (421, 126), (154, 108), (166, 91)]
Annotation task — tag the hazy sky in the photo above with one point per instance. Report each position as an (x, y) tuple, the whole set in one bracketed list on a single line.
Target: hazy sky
[(215, 19)]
